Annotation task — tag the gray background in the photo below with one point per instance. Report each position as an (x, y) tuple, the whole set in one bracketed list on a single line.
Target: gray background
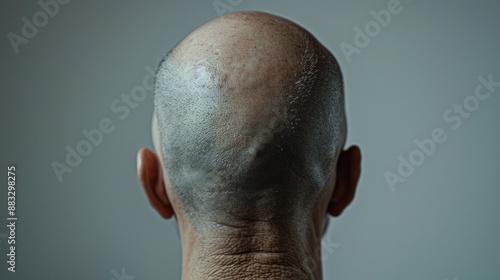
[(441, 223)]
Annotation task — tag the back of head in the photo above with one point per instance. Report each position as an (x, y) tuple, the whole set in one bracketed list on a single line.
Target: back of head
[(250, 111)]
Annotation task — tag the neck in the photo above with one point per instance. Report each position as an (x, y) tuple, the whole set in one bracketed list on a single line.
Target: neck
[(259, 250)]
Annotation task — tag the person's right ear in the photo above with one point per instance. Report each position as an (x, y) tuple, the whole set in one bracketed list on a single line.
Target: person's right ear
[(151, 177)]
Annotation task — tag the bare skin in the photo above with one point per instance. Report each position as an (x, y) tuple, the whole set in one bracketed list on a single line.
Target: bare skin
[(273, 246)]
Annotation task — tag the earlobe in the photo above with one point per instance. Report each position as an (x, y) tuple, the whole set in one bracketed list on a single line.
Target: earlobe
[(348, 171), (150, 175)]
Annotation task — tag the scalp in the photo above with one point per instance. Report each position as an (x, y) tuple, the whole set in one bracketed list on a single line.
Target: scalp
[(247, 103)]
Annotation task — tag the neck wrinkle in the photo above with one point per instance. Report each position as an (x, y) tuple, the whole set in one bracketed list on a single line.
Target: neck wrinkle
[(254, 252)]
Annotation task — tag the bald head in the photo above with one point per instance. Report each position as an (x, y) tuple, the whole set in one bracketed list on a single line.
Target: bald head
[(250, 119)]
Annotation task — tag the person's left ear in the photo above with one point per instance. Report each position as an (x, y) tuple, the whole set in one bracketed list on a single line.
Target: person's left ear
[(348, 171), (151, 177)]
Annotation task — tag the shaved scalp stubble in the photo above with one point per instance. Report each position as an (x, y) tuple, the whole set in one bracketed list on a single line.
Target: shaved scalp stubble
[(250, 111)]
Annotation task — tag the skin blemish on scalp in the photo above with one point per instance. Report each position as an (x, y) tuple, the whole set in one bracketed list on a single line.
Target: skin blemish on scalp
[(200, 75)]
